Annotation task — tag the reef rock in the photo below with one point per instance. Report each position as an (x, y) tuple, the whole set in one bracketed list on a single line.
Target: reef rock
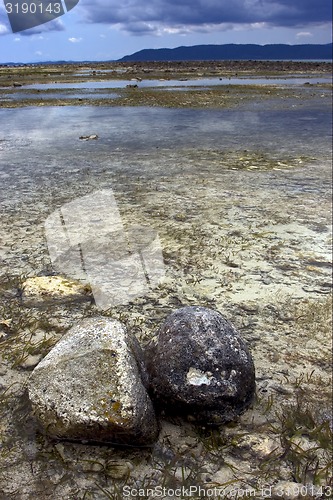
[(92, 387), (40, 289), (88, 137), (201, 367)]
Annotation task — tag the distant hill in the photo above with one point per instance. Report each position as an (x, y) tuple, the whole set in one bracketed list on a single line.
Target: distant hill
[(234, 52)]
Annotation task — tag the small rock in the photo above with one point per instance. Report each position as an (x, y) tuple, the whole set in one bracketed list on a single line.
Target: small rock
[(267, 281), (88, 137), (38, 290), (261, 446), (201, 367), (91, 387), (31, 361), (250, 307)]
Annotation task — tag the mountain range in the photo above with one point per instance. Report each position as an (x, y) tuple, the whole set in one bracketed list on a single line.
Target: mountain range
[(234, 52)]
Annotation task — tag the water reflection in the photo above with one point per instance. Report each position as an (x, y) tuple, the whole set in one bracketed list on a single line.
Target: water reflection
[(140, 128), (84, 95), (179, 83), (37, 143)]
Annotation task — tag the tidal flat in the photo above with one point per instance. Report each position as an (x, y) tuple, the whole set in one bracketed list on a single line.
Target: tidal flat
[(236, 181), (217, 84)]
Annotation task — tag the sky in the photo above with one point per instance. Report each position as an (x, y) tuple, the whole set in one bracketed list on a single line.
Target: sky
[(101, 30)]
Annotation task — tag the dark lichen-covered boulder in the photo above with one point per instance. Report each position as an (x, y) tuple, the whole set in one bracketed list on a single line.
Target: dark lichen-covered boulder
[(200, 367), (92, 387)]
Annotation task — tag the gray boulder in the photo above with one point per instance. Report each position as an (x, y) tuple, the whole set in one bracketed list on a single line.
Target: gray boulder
[(200, 367), (92, 387)]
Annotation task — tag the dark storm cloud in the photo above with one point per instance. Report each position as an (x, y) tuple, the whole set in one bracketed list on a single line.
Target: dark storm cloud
[(300, 12), (141, 17)]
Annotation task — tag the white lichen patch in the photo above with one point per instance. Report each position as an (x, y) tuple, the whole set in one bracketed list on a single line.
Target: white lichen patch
[(197, 377)]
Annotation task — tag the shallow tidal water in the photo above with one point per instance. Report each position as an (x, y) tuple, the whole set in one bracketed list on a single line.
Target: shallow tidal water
[(44, 163), (36, 142), (114, 84)]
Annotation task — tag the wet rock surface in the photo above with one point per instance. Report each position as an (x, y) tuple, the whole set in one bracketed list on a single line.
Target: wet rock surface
[(91, 387), (201, 366)]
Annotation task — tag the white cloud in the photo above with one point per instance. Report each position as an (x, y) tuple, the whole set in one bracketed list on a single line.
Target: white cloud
[(3, 29), (74, 40), (303, 34), (259, 26)]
